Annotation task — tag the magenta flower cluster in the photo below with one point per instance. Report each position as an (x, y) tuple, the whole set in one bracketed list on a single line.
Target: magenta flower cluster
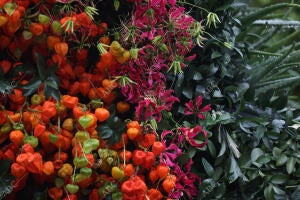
[(161, 31)]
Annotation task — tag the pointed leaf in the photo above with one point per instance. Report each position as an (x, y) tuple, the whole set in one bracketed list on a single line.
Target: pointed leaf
[(269, 193), (290, 165), (279, 178), (31, 87), (41, 66), (208, 168), (104, 131), (223, 149), (262, 12)]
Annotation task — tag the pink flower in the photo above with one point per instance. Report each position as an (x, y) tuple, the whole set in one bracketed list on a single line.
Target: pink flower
[(194, 108), (191, 133)]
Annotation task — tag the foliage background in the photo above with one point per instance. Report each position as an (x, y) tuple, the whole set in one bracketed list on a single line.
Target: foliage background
[(253, 152), (248, 70)]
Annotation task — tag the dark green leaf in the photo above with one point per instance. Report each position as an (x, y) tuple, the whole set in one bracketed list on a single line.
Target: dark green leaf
[(281, 160), (269, 193), (290, 165), (187, 92), (31, 87), (211, 148), (218, 173), (104, 131), (280, 102), (208, 168), (51, 92), (256, 153), (215, 54), (276, 152), (277, 190), (296, 193), (234, 170), (5, 178), (223, 149), (220, 190), (51, 83), (178, 84), (264, 159), (279, 178), (197, 76), (5, 86), (41, 66)]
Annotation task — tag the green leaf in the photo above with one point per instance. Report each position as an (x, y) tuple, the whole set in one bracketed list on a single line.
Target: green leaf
[(5, 86), (211, 148), (31, 87), (290, 165), (262, 12), (233, 146), (281, 160), (219, 190), (5, 178), (269, 193), (208, 168), (41, 66), (276, 84), (262, 70), (178, 84), (187, 92), (197, 76), (51, 92), (276, 152), (279, 178), (51, 83), (264, 159), (296, 193), (256, 153), (223, 149), (104, 131), (277, 190), (234, 170), (215, 54)]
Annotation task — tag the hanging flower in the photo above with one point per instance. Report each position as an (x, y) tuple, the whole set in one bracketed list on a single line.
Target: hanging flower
[(194, 108), (191, 133)]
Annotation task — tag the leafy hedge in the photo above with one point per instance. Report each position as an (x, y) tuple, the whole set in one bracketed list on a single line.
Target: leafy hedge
[(248, 69)]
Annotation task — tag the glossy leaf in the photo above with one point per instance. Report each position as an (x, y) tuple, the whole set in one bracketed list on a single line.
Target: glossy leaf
[(207, 167)]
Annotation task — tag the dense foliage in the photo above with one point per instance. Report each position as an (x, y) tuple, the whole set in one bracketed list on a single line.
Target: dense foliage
[(149, 99)]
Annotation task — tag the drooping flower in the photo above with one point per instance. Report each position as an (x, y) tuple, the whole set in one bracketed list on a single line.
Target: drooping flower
[(186, 181), (194, 108), (191, 133)]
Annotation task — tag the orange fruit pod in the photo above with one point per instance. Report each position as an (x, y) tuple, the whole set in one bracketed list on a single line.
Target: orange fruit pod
[(17, 170), (16, 137), (36, 28), (102, 114), (169, 183), (122, 106), (162, 170), (132, 133), (69, 101), (128, 169), (52, 40), (61, 48), (154, 194), (48, 168)]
